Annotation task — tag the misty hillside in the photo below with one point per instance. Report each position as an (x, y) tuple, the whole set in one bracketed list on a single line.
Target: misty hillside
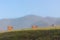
[(28, 21)]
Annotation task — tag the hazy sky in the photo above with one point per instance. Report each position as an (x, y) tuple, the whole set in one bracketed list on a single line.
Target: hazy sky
[(19, 8)]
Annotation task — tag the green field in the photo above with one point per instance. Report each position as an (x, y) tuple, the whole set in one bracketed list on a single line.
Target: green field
[(53, 34)]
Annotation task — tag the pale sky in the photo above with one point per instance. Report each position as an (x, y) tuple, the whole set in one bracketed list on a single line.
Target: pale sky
[(20, 8)]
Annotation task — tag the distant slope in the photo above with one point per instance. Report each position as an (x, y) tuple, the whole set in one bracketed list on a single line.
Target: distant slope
[(28, 21)]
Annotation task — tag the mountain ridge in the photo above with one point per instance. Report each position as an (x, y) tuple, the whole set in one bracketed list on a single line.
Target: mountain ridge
[(28, 21)]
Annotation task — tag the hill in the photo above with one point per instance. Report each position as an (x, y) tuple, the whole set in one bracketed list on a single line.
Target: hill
[(28, 21), (31, 35)]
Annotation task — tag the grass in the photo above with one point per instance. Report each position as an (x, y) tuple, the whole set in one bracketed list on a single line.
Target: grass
[(47, 33), (50, 33)]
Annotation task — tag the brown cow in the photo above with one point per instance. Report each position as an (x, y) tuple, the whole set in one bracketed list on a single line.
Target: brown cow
[(34, 27), (10, 28)]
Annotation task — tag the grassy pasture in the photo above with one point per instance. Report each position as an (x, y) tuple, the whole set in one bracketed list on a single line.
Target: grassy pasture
[(48, 33)]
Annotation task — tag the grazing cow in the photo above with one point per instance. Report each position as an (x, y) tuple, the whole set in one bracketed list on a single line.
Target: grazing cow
[(10, 28), (34, 27)]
